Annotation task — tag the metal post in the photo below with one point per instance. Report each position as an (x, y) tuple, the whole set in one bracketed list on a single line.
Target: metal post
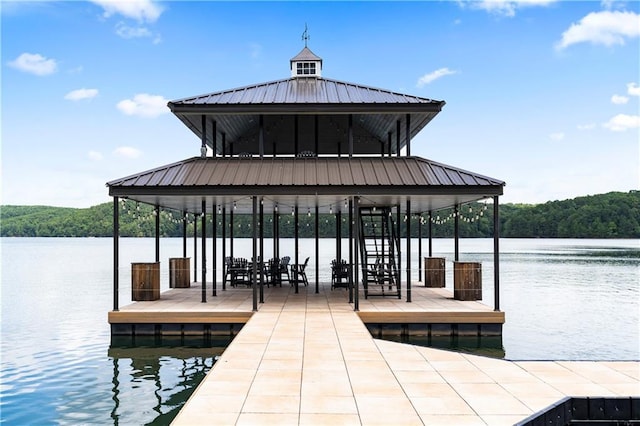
[(317, 234), (316, 137), (195, 248), (214, 135), (261, 137), (338, 236), (204, 251), (295, 135), (430, 236), (496, 254), (356, 298), (399, 234), (157, 211), (408, 251), (254, 274), (296, 234), (116, 253), (224, 248), (456, 231), (231, 231), (420, 248), (350, 135), (351, 226), (408, 135), (184, 234), (398, 138), (262, 250), (214, 250)]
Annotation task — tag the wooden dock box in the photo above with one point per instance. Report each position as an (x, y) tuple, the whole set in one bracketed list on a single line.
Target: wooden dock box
[(434, 272), (467, 281), (179, 272), (145, 281)]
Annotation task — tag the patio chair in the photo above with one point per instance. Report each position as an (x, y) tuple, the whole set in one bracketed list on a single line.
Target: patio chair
[(340, 274), (299, 273), (284, 270)]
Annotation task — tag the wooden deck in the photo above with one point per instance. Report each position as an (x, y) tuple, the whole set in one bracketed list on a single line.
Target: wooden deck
[(183, 305)]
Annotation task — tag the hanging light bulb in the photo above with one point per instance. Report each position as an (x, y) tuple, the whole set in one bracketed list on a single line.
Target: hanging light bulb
[(309, 212), (234, 205)]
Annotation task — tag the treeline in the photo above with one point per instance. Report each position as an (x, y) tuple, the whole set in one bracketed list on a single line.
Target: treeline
[(611, 215)]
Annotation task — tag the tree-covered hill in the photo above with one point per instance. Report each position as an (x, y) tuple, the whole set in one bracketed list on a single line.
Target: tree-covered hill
[(611, 215)]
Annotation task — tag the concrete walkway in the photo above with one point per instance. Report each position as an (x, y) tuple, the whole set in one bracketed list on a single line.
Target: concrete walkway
[(308, 361)]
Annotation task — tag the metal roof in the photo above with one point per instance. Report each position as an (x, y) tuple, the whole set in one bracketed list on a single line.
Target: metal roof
[(306, 182), (237, 113), (306, 55)]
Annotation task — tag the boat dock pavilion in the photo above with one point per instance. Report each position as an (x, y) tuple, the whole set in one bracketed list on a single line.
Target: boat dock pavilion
[(309, 145)]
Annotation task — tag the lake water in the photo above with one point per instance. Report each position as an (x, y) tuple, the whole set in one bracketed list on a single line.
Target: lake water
[(564, 299)]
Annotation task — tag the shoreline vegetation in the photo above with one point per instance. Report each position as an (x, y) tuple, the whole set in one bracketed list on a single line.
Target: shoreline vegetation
[(610, 215)]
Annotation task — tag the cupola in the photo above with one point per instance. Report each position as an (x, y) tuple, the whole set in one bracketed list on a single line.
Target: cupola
[(306, 64)]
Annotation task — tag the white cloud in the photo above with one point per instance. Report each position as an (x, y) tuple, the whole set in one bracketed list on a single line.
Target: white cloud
[(633, 89), (589, 126), (79, 94), (428, 78), (558, 136), (125, 31), (144, 105), (503, 7), (94, 155), (622, 122), (607, 28), (127, 152), (619, 100), (140, 10), (34, 63)]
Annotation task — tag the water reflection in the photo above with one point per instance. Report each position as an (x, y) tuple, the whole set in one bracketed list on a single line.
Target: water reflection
[(154, 376)]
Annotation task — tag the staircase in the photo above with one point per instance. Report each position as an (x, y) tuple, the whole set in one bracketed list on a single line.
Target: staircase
[(379, 252)]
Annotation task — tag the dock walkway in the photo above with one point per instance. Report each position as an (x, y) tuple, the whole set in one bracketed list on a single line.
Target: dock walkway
[(307, 359)]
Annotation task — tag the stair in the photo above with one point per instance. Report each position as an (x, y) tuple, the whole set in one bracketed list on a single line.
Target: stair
[(379, 252)]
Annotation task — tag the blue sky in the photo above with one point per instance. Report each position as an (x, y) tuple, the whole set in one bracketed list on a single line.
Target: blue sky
[(541, 94)]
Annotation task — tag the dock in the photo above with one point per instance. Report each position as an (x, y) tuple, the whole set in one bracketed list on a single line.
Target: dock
[(309, 359)]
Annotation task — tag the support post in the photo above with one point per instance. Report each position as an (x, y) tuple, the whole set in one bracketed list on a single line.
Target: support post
[(350, 135), (254, 272), (398, 138), (204, 251), (496, 254), (214, 134), (262, 250), (224, 248), (408, 251), (420, 248), (317, 234), (116, 253), (456, 232), (351, 226), (214, 250), (297, 242), (430, 235), (408, 131), (156, 209), (261, 137), (184, 234), (356, 296), (195, 248)]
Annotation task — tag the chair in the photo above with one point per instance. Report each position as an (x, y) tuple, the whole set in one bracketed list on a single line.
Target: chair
[(284, 270), (272, 271), (340, 271), (299, 273)]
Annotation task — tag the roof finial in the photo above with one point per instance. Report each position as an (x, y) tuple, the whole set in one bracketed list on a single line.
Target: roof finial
[(305, 35)]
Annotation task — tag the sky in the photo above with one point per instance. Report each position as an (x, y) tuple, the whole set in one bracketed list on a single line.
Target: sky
[(541, 94)]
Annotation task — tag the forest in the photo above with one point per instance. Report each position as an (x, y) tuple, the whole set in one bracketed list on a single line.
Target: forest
[(610, 215)]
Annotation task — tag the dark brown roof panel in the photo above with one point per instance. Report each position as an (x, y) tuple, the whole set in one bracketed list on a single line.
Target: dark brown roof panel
[(320, 171)]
